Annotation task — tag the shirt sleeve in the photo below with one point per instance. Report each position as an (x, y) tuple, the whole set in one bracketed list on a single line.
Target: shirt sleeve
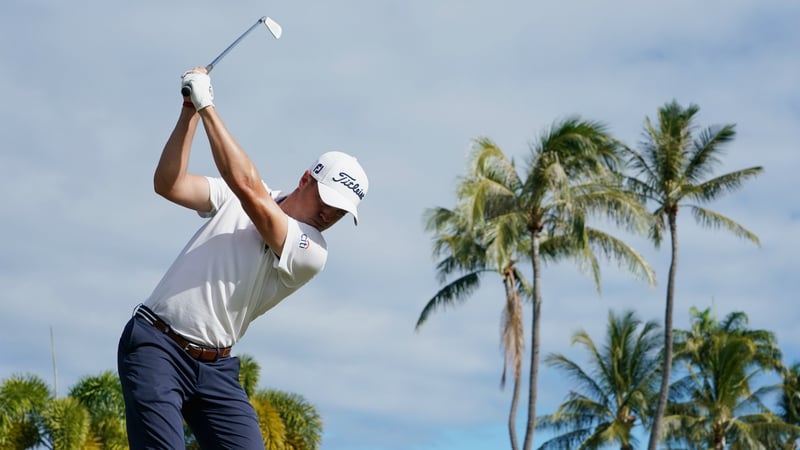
[(304, 254), (218, 192)]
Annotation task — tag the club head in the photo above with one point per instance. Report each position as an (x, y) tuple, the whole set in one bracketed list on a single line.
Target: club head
[(273, 27)]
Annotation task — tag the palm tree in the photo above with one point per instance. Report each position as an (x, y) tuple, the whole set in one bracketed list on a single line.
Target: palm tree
[(22, 400), (270, 422), (249, 373), (101, 395), (714, 405), (30, 416), (287, 421), (472, 251), (671, 171), (66, 423), (789, 402), (303, 424), (612, 393), (92, 416), (273, 430), (568, 179)]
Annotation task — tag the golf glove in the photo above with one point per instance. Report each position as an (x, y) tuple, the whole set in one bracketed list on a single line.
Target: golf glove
[(202, 93)]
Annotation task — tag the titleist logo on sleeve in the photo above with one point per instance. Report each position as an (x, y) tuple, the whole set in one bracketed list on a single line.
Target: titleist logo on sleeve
[(350, 183)]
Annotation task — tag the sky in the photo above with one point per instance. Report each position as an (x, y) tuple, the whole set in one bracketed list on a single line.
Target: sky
[(90, 93)]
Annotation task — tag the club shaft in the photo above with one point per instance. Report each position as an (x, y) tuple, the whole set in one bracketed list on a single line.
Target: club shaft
[(186, 90), (236, 42)]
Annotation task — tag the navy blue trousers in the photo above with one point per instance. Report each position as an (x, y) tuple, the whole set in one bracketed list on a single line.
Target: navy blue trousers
[(163, 386)]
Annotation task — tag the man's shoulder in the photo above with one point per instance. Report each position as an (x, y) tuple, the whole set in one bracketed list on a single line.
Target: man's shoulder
[(309, 234), (304, 253)]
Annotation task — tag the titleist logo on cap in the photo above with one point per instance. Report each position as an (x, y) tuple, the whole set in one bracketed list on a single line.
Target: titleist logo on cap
[(350, 183), (342, 182)]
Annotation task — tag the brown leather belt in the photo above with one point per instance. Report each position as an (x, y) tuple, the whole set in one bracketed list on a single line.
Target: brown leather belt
[(196, 351)]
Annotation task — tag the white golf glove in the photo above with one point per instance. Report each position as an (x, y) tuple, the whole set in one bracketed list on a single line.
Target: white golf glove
[(202, 93)]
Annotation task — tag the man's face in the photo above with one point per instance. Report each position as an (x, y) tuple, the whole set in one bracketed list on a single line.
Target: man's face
[(320, 215)]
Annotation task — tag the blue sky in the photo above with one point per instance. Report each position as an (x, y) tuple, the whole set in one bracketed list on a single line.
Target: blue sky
[(90, 92)]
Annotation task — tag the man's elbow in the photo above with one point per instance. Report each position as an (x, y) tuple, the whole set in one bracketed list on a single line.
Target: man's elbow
[(245, 184), (160, 187), (165, 187)]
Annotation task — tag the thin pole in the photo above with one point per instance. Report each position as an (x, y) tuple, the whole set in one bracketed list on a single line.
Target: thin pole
[(55, 370)]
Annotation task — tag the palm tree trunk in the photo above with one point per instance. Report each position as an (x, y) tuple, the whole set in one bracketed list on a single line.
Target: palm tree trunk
[(534, 370), (512, 416), (655, 431), (720, 443)]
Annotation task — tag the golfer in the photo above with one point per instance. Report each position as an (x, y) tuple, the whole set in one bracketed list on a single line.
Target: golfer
[(256, 247)]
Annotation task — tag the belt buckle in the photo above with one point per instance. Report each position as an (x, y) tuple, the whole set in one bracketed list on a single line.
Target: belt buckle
[(193, 347), (202, 351)]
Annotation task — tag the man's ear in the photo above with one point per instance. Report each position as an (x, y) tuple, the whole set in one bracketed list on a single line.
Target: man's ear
[(305, 179)]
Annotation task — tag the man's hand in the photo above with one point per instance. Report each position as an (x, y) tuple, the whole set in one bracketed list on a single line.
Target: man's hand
[(200, 83)]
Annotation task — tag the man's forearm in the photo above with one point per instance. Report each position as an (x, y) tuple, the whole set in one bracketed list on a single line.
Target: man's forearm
[(233, 164), (241, 176), (174, 161)]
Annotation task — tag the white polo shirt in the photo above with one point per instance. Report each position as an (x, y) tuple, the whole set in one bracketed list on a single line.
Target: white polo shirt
[(225, 276)]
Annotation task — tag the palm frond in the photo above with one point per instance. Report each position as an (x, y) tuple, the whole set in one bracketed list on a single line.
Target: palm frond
[(626, 256), (713, 188), (565, 441), (583, 381), (707, 150), (714, 220), (455, 292), (512, 329)]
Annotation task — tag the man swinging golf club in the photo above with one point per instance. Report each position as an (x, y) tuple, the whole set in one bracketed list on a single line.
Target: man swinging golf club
[(256, 247)]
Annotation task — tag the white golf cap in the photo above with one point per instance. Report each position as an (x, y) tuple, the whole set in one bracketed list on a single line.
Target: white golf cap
[(341, 180)]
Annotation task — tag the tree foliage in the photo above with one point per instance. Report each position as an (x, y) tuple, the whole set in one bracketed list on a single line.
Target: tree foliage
[(672, 170), (612, 394), (717, 404), (92, 416)]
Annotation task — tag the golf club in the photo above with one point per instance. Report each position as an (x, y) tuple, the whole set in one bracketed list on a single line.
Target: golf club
[(271, 25)]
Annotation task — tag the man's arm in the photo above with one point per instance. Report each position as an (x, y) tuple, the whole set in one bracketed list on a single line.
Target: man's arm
[(171, 179), (242, 177), (235, 166)]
